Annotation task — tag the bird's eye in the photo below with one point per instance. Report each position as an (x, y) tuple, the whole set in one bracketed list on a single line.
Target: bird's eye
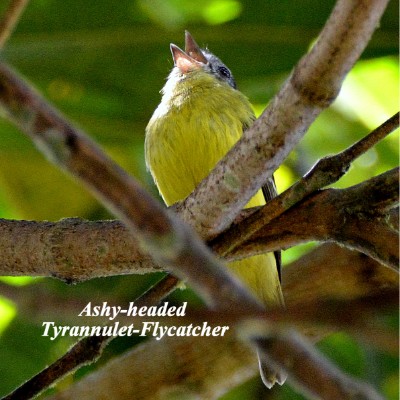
[(223, 71)]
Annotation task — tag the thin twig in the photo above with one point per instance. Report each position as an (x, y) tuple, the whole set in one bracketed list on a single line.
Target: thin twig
[(325, 172), (10, 19), (86, 350)]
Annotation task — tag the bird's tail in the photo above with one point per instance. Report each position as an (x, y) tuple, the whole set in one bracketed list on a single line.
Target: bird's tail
[(269, 375), (259, 273)]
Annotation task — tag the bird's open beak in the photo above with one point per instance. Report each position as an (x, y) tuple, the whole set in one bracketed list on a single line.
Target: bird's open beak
[(190, 59), (193, 49)]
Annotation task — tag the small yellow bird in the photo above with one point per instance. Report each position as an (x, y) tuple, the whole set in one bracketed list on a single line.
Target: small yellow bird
[(200, 117)]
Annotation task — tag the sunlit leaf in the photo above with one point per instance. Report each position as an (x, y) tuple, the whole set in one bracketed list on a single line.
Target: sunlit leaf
[(8, 311), (220, 11)]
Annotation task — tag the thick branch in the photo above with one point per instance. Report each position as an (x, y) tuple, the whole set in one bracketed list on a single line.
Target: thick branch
[(355, 275), (75, 250), (71, 249), (313, 85), (356, 217)]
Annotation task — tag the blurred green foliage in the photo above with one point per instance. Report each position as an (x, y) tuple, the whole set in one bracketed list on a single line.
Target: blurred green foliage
[(102, 63)]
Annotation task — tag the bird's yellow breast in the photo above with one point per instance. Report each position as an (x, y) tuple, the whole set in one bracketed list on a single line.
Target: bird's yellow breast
[(195, 125)]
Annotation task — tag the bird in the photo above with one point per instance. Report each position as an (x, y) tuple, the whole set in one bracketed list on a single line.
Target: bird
[(201, 116)]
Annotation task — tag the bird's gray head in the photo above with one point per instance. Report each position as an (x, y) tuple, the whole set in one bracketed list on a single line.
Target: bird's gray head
[(194, 57)]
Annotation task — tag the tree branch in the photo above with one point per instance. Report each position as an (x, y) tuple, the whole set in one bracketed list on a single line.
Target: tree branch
[(75, 250), (312, 86), (206, 367), (72, 249), (85, 351), (10, 19), (326, 171), (364, 279), (355, 217), (173, 244)]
